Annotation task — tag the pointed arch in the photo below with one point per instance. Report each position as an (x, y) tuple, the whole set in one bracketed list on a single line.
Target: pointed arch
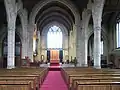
[(17, 45)]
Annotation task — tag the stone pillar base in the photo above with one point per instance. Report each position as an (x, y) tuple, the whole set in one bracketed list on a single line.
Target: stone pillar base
[(78, 64), (85, 65), (10, 67), (97, 67)]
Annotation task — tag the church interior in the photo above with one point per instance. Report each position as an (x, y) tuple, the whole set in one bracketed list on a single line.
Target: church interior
[(76, 41)]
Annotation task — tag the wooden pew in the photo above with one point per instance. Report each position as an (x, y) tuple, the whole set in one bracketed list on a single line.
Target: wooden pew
[(97, 85), (36, 80), (20, 79), (95, 79), (78, 72), (16, 85), (66, 72), (71, 77), (34, 75), (86, 72)]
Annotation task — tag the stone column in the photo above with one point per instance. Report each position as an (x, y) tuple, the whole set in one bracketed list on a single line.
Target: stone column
[(79, 42), (69, 47), (24, 43), (97, 18), (11, 47), (97, 46), (82, 39), (73, 39), (39, 47), (24, 20), (11, 10), (85, 50), (30, 35), (82, 48)]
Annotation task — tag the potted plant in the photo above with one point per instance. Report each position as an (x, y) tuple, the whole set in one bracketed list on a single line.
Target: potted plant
[(75, 61)]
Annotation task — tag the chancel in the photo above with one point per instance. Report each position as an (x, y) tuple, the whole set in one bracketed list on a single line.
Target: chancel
[(60, 45)]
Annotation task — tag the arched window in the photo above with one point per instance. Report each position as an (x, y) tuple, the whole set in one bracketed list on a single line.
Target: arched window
[(54, 38), (101, 47), (118, 34)]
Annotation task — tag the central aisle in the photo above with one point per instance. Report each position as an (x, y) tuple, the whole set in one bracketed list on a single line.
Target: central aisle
[(54, 81)]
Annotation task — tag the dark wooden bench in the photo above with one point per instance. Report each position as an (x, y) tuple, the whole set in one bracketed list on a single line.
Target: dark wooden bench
[(34, 75), (97, 85), (95, 79), (70, 74), (18, 79), (16, 85), (73, 76)]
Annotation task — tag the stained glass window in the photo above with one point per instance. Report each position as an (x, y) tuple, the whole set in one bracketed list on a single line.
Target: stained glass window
[(54, 38)]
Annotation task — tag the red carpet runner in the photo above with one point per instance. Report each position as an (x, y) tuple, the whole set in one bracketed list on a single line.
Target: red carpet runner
[(54, 81)]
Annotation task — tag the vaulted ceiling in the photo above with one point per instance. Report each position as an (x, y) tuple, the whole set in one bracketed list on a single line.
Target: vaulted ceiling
[(110, 5), (110, 8), (81, 4), (58, 12)]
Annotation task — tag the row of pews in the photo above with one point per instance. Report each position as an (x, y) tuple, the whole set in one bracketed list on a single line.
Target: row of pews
[(91, 79), (22, 78)]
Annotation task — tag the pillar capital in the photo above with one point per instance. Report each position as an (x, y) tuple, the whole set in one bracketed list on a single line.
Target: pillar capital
[(98, 4), (10, 6), (11, 10), (97, 28), (86, 13), (97, 9)]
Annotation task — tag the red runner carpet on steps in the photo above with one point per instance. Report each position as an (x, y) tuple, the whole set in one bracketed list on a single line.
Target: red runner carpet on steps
[(54, 81), (54, 62), (54, 66)]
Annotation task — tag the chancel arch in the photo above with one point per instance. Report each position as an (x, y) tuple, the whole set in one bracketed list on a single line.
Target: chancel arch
[(45, 12)]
